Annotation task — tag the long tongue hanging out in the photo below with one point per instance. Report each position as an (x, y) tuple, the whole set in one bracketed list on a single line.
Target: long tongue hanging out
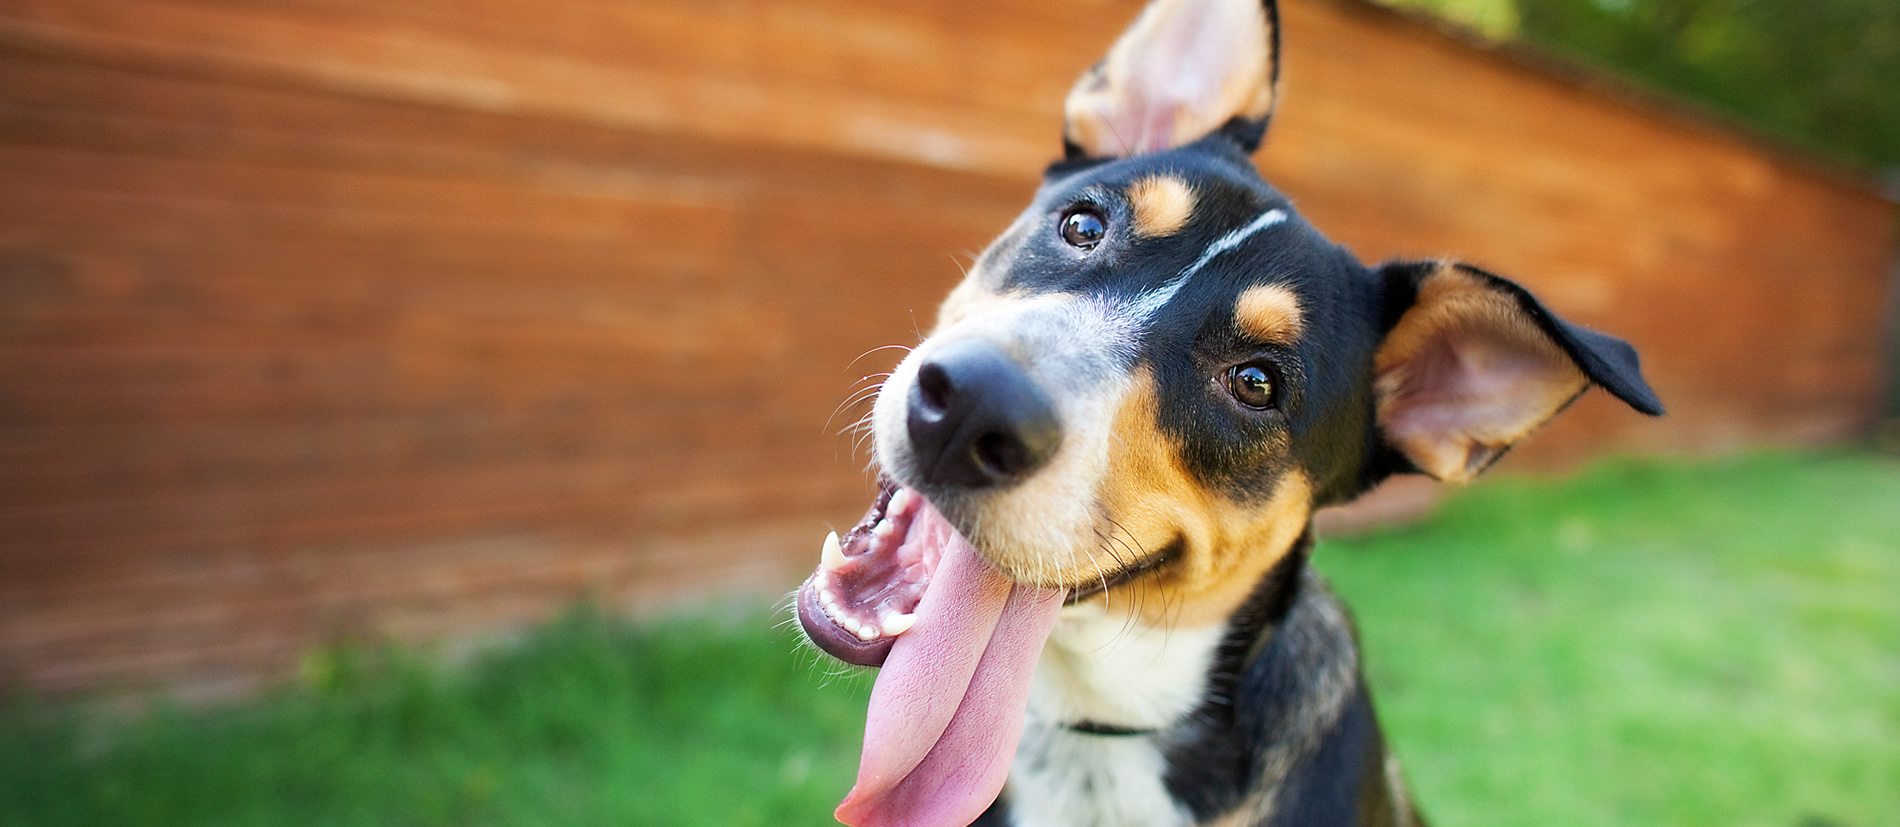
[(947, 709)]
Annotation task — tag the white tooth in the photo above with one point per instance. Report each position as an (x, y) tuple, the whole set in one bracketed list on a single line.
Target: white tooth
[(868, 631), (826, 597), (850, 624), (899, 624), (833, 555), (900, 502), (884, 529), (831, 608)]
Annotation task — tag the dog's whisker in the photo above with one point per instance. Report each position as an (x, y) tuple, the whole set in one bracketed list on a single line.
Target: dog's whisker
[(858, 398), (865, 434), (855, 398), (905, 348)]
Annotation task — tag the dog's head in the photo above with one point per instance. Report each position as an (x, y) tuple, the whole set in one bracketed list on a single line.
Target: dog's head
[(1150, 381)]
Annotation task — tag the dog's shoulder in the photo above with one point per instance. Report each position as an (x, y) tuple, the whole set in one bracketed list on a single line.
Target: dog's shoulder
[(1298, 742)]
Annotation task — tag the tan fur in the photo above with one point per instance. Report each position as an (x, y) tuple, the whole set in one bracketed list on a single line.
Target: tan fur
[(1162, 205), (1152, 499), (1453, 305), (1269, 313), (1099, 100)]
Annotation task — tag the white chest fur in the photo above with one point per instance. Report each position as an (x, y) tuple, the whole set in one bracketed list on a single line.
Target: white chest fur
[(1106, 669)]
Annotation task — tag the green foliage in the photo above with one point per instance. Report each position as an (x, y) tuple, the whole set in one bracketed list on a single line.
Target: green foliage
[(1649, 643), (1495, 19), (1821, 74)]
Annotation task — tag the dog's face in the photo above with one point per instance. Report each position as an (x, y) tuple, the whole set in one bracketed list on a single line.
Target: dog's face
[(1142, 390), (1148, 382), (1157, 373)]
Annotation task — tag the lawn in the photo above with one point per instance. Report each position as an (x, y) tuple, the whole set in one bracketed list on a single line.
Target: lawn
[(1708, 643)]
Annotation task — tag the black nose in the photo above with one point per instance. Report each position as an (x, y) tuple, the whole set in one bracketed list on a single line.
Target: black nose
[(975, 419)]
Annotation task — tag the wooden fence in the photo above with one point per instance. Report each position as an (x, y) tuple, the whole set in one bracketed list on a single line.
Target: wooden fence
[(351, 318)]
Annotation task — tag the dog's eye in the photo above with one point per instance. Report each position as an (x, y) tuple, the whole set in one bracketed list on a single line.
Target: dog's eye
[(1250, 385), (1083, 228)]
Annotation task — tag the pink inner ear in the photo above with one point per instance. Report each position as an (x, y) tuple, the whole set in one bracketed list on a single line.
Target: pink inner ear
[(1468, 393), (1182, 70)]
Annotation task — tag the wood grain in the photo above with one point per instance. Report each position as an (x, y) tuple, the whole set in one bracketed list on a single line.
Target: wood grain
[(336, 318)]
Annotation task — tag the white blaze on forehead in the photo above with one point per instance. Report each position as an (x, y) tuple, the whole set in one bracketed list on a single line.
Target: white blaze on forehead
[(1070, 342), (1151, 302)]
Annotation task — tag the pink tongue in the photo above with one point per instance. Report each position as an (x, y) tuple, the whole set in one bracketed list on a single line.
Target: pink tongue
[(948, 706)]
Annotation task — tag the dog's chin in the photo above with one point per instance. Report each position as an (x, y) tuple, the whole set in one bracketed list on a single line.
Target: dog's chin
[(1082, 553)]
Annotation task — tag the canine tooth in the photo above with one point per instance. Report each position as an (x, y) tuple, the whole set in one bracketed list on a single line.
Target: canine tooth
[(899, 624), (901, 502), (867, 631), (833, 555)]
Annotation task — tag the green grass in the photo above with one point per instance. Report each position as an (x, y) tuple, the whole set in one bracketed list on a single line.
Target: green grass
[(588, 722), (1714, 643), (1645, 644)]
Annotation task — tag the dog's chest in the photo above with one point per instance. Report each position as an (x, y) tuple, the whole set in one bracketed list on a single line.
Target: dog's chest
[(1063, 778), (1106, 670)]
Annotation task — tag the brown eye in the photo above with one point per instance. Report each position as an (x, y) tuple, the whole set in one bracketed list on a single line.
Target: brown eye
[(1251, 386), (1083, 228)]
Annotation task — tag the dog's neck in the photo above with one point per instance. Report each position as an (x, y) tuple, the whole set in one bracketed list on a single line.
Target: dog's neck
[(1106, 669), (1116, 700)]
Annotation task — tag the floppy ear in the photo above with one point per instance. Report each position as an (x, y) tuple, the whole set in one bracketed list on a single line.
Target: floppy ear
[(1183, 70), (1471, 363)]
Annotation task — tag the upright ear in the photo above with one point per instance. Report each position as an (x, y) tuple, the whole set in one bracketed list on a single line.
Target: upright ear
[(1471, 363), (1183, 70)]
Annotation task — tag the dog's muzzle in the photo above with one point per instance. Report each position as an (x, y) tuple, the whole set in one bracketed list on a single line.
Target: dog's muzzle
[(976, 420)]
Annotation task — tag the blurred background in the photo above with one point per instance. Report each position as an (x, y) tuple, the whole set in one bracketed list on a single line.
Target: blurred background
[(412, 413)]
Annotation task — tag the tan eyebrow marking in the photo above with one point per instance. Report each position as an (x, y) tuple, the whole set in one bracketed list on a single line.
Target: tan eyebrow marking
[(1162, 204), (1270, 313)]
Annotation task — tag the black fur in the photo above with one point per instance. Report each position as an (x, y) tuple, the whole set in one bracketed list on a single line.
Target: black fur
[(1323, 427), (1211, 766), (1286, 725)]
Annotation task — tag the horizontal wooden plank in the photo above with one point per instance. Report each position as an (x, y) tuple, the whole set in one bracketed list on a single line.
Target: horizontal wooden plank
[(393, 61), (341, 317)]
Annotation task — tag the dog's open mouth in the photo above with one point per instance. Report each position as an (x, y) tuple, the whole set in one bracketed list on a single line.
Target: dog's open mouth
[(957, 644), (867, 586)]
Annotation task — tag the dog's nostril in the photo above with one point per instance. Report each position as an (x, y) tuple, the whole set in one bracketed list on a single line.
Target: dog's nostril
[(933, 387), (999, 454)]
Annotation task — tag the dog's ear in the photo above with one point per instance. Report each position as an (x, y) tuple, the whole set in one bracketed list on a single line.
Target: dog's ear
[(1471, 363), (1184, 69)]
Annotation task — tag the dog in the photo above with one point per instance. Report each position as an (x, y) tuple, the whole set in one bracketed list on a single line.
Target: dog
[(1085, 576)]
